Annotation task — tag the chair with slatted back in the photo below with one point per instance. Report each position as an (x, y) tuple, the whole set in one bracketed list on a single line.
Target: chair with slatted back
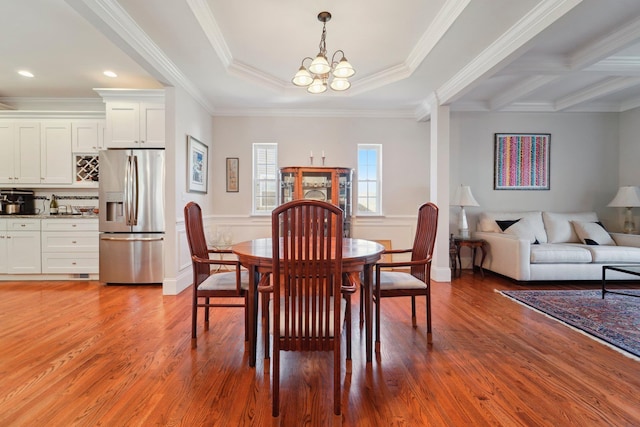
[(308, 303), (229, 284), (415, 281)]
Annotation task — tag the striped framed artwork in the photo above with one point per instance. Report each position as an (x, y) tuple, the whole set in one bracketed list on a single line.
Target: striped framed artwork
[(521, 161)]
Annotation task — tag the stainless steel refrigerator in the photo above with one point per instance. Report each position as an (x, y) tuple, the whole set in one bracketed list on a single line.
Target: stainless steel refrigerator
[(131, 216)]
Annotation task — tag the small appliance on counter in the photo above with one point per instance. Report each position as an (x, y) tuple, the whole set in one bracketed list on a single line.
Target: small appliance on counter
[(17, 202)]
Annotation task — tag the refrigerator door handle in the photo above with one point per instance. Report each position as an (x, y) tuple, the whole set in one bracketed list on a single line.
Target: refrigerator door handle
[(127, 192), (132, 239), (134, 192)]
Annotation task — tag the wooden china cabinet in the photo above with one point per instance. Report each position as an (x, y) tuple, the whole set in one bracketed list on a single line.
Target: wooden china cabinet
[(330, 184)]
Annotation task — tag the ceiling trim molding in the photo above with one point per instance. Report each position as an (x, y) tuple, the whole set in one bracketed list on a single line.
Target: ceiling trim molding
[(606, 87), (506, 47), (124, 31), (327, 113), (617, 64), (593, 52), (445, 18), (209, 25), (524, 88), (630, 104)]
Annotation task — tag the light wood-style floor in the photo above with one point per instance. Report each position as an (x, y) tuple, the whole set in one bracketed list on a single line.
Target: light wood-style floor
[(84, 354)]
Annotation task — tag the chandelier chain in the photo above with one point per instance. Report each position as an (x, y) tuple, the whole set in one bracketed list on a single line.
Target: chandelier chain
[(323, 43)]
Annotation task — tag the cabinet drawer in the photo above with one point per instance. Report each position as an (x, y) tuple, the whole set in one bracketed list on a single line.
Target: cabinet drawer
[(23, 224), (69, 263), (70, 224), (69, 242)]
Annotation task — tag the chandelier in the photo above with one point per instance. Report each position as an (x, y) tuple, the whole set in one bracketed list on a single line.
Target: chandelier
[(316, 77)]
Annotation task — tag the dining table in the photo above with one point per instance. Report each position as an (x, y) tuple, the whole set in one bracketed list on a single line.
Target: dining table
[(358, 258)]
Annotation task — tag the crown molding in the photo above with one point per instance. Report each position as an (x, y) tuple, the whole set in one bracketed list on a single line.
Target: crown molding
[(606, 87), (445, 18), (122, 29), (593, 52), (523, 88), (323, 113), (506, 47), (209, 25)]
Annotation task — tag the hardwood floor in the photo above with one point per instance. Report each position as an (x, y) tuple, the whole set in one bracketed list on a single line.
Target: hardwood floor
[(84, 354)]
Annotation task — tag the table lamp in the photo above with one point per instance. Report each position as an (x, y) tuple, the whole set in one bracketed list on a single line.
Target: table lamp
[(627, 197), (464, 198)]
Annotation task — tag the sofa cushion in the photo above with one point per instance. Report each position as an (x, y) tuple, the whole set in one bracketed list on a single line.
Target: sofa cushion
[(559, 254), (487, 222), (614, 254), (558, 225), (521, 229), (592, 233)]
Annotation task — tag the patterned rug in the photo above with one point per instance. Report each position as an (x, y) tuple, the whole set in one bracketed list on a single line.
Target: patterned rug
[(614, 320)]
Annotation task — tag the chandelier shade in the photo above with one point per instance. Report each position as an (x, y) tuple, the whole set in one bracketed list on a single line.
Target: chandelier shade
[(320, 71)]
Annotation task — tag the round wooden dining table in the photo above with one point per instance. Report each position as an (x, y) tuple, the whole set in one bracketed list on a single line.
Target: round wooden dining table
[(358, 256)]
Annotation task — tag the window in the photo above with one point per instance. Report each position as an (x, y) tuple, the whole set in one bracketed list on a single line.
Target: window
[(265, 178), (369, 176)]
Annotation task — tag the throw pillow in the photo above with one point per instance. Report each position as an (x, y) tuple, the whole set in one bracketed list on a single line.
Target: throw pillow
[(506, 223), (520, 228), (592, 233)]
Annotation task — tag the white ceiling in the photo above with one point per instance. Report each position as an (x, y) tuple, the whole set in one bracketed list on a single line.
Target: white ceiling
[(238, 57)]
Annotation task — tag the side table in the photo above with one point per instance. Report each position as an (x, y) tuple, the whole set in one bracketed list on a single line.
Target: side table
[(473, 244)]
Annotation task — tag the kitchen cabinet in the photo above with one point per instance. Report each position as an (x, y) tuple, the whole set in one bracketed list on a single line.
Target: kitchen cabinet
[(135, 125), (55, 153), (20, 246), (87, 136), (330, 184), (20, 153), (70, 246)]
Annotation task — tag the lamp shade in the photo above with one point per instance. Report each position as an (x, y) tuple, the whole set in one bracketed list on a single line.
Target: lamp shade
[(627, 197), (464, 197)]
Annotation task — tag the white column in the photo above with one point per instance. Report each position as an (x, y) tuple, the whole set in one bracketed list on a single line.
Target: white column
[(439, 186)]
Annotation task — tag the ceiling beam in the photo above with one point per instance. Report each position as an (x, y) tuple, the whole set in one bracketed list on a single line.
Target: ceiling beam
[(522, 89), (604, 88), (505, 49)]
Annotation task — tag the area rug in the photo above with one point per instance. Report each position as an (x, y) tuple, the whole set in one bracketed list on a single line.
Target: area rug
[(614, 320)]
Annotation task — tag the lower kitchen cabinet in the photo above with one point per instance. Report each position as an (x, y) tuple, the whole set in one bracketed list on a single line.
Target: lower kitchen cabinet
[(20, 246), (70, 246)]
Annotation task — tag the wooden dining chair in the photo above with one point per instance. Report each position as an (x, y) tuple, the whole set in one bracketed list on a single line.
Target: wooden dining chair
[(416, 280), (228, 284), (308, 303)]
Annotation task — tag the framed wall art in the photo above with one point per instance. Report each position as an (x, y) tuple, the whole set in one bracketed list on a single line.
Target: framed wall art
[(233, 164), (521, 161), (197, 165)]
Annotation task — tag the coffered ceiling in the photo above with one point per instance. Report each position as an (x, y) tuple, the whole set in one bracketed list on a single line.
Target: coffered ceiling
[(238, 57)]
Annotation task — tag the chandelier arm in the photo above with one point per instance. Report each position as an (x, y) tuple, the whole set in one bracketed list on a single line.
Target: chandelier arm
[(333, 61), (304, 59)]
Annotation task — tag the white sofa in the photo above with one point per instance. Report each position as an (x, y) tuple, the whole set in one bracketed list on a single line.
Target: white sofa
[(543, 246)]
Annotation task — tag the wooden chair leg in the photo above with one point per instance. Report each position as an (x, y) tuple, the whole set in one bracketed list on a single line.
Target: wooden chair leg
[(206, 314), (275, 398), (194, 321), (377, 315), (348, 326), (413, 312), (429, 337)]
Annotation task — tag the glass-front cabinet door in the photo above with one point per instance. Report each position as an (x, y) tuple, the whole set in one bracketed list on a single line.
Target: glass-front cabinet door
[(328, 184)]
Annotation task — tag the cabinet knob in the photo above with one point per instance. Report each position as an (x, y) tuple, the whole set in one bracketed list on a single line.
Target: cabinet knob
[(73, 225), (74, 242), (23, 225), (73, 263)]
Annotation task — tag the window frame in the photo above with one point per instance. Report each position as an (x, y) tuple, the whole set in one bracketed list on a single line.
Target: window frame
[(255, 181), (378, 181)]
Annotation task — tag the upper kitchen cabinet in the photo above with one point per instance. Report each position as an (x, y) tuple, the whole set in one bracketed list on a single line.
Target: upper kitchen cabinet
[(55, 148), (87, 136), (134, 118), (20, 153)]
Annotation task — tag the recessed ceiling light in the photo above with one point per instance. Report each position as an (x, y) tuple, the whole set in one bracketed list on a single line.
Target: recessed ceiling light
[(110, 74), (25, 73)]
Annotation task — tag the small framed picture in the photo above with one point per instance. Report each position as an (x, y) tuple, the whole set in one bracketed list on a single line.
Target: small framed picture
[(197, 165), (233, 165)]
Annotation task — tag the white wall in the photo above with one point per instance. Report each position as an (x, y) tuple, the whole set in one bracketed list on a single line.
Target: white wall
[(629, 173), (584, 162), (405, 151), (184, 116)]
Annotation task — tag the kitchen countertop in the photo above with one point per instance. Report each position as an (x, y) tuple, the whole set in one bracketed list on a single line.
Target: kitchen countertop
[(41, 216)]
